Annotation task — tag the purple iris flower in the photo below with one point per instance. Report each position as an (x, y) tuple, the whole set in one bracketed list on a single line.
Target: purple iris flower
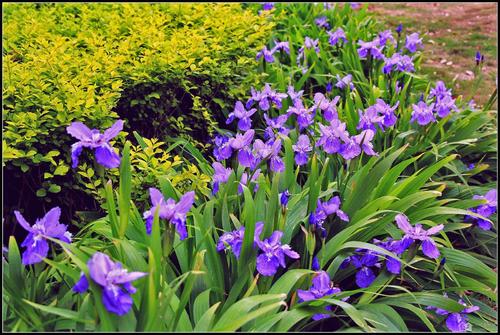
[(440, 91), (273, 254), (416, 232), (276, 123), (114, 280), (234, 239), (350, 149), (321, 286), (364, 141), (241, 141), (336, 36), (284, 197), (294, 95), (221, 175), (366, 261), (268, 5), (486, 210), (328, 107), (222, 149), (380, 114), (422, 113), (284, 46), (370, 118), (322, 22), (244, 181), (444, 106), (269, 96), (104, 152), (270, 150), (267, 54), (309, 43), (301, 148), (385, 36), (457, 322), (36, 243), (372, 48), (305, 117), (344, 82), (169, 210), (413, 42), (243, 115), (398, 62), (332, 136), (323, 210)]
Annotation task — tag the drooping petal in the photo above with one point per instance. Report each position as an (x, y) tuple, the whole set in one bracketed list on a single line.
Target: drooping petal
[(82, 285), (393, 265), (76, 150), (430, 249), (22, 221), (112, 131), (457, 322), (180, 226), (365, 277), (267, 266), (35, 251), (107, 157), (289, 252), (116, 300), (305, 295), (321, 281), (79, 131)]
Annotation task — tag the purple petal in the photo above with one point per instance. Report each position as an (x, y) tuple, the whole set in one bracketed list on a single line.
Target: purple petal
[(128, 277), (403, 223), (365, 277), (22, 221), (116, 300), (305, 295), (76, 150), (185, 203), (107, 157), (457, 322), (435, 230), (113, 131), (321, 281), (79, 131), (430, 249), (36, 251), (267, 266), (393, 265), (82, 285), (99, 266), (156, 196)]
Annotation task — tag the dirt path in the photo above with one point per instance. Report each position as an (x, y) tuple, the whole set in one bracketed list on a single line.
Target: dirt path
[(453, 32)]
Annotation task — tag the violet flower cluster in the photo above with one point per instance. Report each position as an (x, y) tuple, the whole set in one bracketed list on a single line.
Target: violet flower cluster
[(486, 210), (380, 114), (417, 233), (272, 252), (114, 280), (456, 322), (268, 55), (325, 209), (368, 262), (441, 103)]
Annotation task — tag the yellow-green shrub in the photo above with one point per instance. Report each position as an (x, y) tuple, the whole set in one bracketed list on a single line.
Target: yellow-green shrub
[(167, 68)]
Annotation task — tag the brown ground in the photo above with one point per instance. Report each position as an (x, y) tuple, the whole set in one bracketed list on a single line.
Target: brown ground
[(453, 32)]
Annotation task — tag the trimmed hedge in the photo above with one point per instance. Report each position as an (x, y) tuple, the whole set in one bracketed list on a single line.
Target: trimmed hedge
[(178, 65)]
